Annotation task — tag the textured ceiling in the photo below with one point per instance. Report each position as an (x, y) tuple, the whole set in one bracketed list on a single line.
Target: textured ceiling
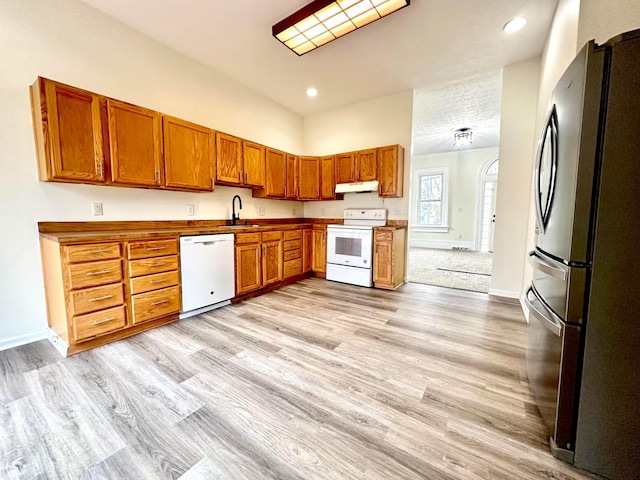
[(472, 102)]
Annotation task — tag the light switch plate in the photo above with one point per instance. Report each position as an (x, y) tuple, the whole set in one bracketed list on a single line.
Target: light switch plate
[(96, 209), (191, 210), (261, 211)]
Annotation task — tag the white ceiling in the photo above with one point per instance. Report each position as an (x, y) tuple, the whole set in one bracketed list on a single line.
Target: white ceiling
[(425, 47)]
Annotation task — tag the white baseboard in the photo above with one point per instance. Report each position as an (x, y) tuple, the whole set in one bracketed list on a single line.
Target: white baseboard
[(13, 342), (504, 293), (443, 244), (525, 309)]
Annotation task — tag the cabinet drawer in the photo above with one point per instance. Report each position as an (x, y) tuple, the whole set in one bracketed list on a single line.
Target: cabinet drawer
[(97, 298), (271, 236), (292, 235), (93, 274), (248, 238), (98, 323), (384, 235), (152, 248), (92, 252), (292, 245), (154, 282), (292, 255), (156, 304), (292, 267), (147, 266)]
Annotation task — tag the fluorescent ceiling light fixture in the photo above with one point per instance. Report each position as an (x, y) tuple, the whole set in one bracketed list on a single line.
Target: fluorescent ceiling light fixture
[(462, 137), (312, 92), (322, 21), (514, 24)]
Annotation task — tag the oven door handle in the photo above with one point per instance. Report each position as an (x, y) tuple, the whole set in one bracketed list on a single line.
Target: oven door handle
[(551, 321), (538, 262)]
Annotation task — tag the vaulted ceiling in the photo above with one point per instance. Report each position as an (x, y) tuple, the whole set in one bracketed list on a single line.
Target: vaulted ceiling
[(430, 46)]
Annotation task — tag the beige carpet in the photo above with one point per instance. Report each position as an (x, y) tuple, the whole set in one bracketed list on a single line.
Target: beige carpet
[(450, 268)]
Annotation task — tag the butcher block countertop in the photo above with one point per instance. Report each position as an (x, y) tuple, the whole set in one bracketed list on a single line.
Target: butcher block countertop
[(72, 232)]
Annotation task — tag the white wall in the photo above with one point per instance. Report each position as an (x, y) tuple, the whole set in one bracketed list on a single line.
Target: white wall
[(602, 20), (373, 123), (68, 41), (464, 175), (517, 146)]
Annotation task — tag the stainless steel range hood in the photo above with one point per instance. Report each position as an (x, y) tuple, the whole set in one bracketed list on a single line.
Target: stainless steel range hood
[(357, 187)]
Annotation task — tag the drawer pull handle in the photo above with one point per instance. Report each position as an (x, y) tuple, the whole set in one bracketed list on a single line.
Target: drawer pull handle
[(157, 281), (102, 250), (98, 299), (150, 249), (159, 302), (161, 264), (110, 319), (99, 272)]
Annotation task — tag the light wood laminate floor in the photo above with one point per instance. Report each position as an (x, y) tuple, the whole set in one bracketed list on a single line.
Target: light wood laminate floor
[(317, 380)]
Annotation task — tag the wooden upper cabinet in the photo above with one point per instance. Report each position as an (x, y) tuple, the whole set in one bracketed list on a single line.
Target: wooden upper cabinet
[(136, 144), (390, 171), (291, 190), (69, 128), (228, 159), (328, 177), (366, 164), (345, 168), (308, 178), (253, 163), (275, 173), (189, 155)]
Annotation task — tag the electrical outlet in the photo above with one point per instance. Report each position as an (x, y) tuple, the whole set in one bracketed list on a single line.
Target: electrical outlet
[(96, 209), (323, 212), (191, 210), (293, 212), (261, 211), (398, 211)]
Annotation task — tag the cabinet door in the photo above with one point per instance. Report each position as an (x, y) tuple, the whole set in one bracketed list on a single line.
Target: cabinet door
[(308, 178), (307, 249), (69, 133), (319, 257), (383, 262), (292, 177), (345, 168), (366, 164), (271, 262), (390, 171), (253, 162), (189, 155), (248, 274), (276, 173), (135, 141), (228, 159), (328, 178)]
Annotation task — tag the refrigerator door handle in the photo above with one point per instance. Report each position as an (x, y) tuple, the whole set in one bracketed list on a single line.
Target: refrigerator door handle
[(551, 321), (538, 262), (550, 135)]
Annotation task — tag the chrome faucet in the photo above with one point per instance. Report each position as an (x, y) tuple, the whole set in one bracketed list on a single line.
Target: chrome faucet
[(235, 217)]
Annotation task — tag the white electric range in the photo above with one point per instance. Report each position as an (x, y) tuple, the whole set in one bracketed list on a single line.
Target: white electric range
[(350, 246)]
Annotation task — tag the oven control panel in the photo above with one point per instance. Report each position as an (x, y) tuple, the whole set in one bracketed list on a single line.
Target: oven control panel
[(365, 214)]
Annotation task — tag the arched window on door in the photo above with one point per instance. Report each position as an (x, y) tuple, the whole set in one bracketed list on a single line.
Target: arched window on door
[(487, 205)]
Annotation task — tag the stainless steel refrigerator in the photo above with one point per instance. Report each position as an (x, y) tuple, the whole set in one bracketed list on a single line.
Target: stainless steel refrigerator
[(583, 353)]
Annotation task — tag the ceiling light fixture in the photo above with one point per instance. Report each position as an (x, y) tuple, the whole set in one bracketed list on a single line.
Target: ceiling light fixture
[(514, 24), (312, 92), (462, 137), (322, 21)]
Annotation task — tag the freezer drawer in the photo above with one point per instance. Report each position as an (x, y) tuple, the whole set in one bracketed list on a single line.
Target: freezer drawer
[(553, 350), (561, 287)]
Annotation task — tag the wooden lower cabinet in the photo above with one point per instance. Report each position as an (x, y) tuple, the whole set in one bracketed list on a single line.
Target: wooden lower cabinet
[(97, 293), (319, 251), (292, 253), (258, 260), (307, 249), (389, 257)]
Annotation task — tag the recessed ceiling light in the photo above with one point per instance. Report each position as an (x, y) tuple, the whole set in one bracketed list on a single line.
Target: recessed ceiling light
[(514, 24), (312, 92)]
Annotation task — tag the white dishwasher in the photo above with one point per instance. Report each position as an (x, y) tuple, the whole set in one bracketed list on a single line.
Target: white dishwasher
[(207, 272)]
